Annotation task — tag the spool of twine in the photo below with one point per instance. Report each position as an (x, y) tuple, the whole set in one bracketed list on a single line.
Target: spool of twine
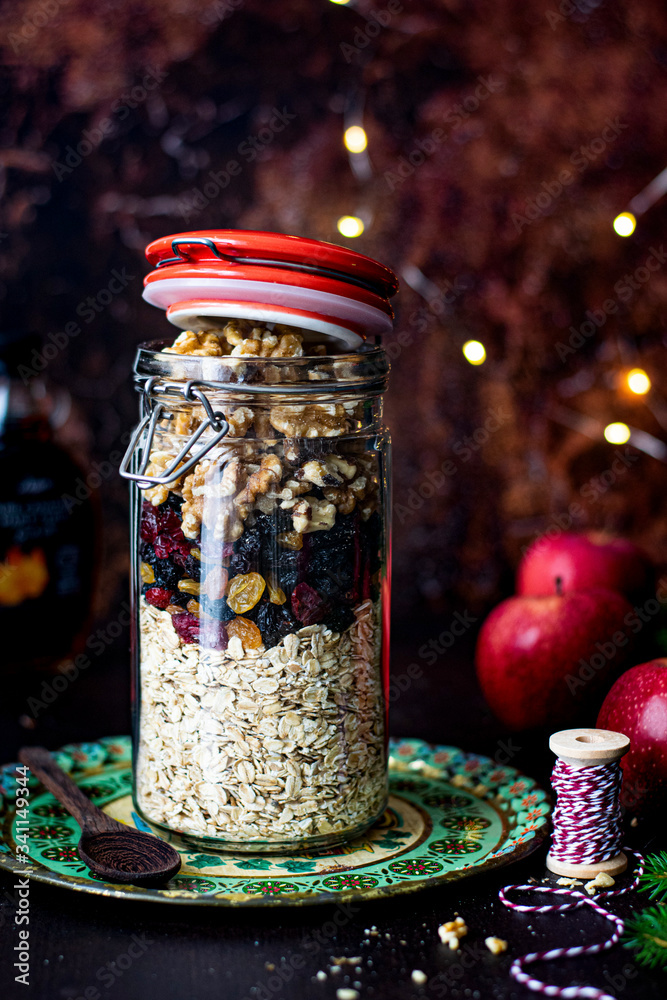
[(587, 833)]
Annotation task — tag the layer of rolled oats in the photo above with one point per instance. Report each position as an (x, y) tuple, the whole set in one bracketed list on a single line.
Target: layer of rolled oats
[(277, 744)]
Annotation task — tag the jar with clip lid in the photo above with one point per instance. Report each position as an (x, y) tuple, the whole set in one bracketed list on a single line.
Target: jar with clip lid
[(261, 543)]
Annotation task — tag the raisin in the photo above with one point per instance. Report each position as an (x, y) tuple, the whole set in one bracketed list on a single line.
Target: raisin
[(166, 573), (291, 540), (147, 553), (307, 605), (190, 564), (246, 631), (147, 574), (187, 626), (245, 558), (173, 502), (276, 594), (215, 583), (243, 592), (275, 622), (180, 597), (159, 597), (340, 618)]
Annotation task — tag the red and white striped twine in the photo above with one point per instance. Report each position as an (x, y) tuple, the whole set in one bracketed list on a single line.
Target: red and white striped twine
[(587, 829), (587, 817)]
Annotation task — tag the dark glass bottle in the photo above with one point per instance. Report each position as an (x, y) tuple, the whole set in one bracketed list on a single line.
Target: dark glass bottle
[(47, 536)]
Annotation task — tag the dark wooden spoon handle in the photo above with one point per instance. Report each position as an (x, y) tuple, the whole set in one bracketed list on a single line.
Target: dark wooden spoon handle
[(43, 766)]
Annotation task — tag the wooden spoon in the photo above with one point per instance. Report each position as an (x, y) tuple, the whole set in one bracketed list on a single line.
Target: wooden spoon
[(115, 851)]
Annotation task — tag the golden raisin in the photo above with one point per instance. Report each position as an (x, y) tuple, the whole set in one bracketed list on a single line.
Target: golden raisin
[(147, 574), (291, 540), (193, 607), (246, 631), (244, 591), (188, 586), (276, 594)]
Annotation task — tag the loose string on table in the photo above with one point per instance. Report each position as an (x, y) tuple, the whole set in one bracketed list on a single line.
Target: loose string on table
[(587, 817), (576, 900), (586, 831)]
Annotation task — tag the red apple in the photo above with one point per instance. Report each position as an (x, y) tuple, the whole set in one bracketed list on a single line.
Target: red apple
[(539, 659), (637, 706), (582, 562)]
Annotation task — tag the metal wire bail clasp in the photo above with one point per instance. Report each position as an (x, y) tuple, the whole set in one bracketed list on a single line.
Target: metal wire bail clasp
[(154, 411)]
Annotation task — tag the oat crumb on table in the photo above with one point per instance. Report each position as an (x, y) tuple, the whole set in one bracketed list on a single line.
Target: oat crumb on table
[(569, 881), (451, 931), (495, 945), (419, 977)]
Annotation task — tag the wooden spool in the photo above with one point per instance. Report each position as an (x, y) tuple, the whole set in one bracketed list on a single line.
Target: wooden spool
[(588, 748)]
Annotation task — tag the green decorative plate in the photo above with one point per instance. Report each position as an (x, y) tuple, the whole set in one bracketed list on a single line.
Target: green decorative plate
[(450, 814)]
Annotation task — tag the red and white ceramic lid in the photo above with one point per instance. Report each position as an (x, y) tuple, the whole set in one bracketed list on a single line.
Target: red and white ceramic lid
[(270, 277)]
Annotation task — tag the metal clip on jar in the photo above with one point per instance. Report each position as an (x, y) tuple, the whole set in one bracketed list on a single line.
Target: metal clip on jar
[(261, 544)]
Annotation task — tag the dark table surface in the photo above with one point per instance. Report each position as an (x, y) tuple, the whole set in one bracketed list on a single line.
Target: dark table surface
[(104, 949)]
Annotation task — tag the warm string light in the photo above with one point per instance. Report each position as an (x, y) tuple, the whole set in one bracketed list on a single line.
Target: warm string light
[(617, 433), (638, 381), (624, 224), (350, 226), (474, 352), (355, 139)]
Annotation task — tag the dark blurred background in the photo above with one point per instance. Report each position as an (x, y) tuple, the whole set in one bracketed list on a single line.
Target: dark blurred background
[(503, 140)]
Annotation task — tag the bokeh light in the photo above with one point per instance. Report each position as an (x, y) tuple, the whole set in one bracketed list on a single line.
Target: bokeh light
[(474, 352), (355, 139), (350, 225), (617, 433), (638, 381), (624, 224)]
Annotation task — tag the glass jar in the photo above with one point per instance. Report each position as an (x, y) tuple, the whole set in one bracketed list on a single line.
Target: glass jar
[(261, 572)]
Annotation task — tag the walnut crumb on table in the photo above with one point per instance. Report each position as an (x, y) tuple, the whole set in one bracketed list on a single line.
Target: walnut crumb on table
[(495, 945), (451, 931), (601, 881), (569, 881)]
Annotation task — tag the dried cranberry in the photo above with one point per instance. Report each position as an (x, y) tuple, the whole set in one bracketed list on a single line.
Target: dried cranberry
[(159, 597), (307, 605), (187, 626), (161, 526)]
